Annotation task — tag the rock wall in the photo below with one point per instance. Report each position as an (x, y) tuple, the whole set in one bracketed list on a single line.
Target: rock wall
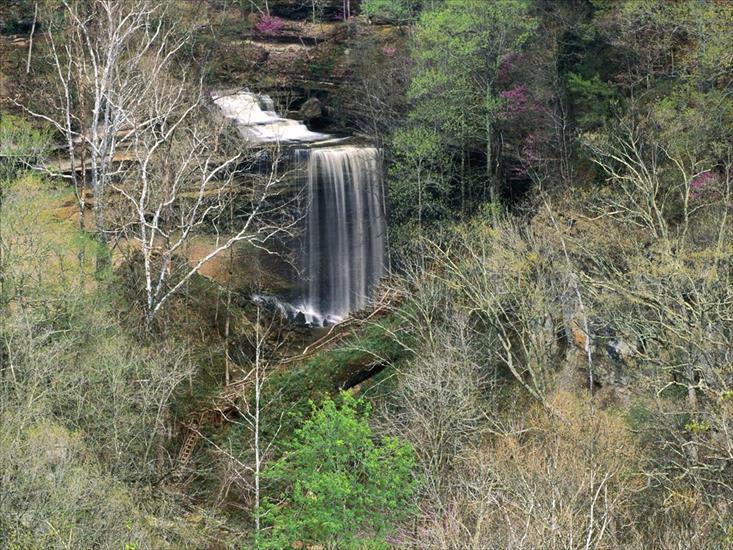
[(302, 63)]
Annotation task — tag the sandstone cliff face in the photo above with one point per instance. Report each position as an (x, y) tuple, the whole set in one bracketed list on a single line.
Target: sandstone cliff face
[(300, 60), (285, 54), (299, 55)]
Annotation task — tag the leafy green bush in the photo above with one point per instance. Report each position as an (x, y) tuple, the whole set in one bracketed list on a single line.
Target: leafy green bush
[(342, 487)]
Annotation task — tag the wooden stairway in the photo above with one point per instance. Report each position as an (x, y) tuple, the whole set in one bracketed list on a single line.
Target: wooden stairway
[(226, 402), (189, 444)]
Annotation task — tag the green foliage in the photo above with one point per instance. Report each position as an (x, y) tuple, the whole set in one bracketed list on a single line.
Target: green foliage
[(56, 493), (21, 145), (696, 427), (457, 50), (318, 377), (40, 251), (419, 187), (700, 33), (343, 488), (394, 11), (694, 122), (593, 98)]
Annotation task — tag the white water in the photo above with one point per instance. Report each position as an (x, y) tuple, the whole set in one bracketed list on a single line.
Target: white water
[(257, 121), (343, 242)]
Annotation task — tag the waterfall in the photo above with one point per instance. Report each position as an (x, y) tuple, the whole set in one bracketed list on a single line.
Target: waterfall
[(342, 247), (257, 121), (342, 255)]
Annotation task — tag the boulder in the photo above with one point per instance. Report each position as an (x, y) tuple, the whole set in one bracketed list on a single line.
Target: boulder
[(620, 350), (311, 109), (300, 319)]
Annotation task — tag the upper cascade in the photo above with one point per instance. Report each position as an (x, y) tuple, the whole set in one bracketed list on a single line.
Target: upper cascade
[(257, 121)]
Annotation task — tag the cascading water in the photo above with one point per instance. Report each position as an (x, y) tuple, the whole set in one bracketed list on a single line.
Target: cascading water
[(257, 121), (342, 249)]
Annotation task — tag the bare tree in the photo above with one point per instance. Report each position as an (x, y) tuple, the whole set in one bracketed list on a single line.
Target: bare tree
[(652, 179), (97, 50), (253, 410), (181, 181), (30, 39), (256, 412), (500, 280), (123, 95)]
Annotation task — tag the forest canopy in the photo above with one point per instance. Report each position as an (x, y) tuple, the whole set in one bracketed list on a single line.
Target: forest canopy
[(528, 203)]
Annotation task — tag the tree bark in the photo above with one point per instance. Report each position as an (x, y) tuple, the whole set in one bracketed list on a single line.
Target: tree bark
[(30, 41)]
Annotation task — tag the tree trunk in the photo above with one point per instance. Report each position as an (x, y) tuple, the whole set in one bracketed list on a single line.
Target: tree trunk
[(103, 261), (491, 180), (30, 41)]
